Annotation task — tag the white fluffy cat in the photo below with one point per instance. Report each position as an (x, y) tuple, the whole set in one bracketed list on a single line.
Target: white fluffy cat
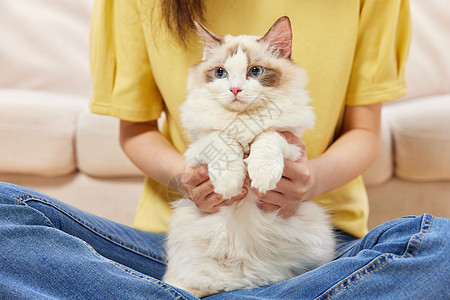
[(244, 90)]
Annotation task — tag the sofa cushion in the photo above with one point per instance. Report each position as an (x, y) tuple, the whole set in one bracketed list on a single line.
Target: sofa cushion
[(422, 138), (98, 149), (37, 132)]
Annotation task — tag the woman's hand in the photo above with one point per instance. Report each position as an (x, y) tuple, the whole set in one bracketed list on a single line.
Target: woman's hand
[(200, 190), (294, 187)]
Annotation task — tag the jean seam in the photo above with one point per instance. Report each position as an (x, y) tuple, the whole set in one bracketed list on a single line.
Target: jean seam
[(25, 197), (425, 228), (22, 202), (175, 294), (419, 235)]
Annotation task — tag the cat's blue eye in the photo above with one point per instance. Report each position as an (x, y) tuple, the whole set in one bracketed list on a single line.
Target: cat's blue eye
[(256, 71), (220, 73)]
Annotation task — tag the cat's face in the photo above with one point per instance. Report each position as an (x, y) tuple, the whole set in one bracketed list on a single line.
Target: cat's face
[(244, 72), (240, 73)]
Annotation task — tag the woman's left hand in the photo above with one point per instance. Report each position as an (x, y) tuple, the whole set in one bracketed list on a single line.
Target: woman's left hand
[(294, 187)]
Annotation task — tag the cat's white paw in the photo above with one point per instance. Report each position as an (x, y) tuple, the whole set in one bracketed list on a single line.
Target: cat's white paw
[(228, 184), (264, 174), (292, 152), (193, 158)]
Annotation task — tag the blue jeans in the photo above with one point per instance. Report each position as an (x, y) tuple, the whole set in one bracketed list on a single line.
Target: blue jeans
[(51, 250)]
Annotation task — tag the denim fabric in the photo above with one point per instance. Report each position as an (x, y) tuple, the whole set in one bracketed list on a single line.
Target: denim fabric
[(49, 250)]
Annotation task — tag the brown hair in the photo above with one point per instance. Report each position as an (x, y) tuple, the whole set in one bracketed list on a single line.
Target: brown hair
[(179, 16)]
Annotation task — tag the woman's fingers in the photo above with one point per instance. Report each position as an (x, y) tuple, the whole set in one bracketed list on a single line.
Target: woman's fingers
[(200, 190), (193, 176), (227, 202)]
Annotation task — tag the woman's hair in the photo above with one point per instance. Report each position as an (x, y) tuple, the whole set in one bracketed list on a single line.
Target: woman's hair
[(179, 16)]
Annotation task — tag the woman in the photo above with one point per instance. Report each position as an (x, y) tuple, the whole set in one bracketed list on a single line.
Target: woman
[(354, 53)]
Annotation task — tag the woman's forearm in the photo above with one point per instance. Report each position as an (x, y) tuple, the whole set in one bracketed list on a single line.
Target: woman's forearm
[(348, 158), (352, 153), (150, 151)]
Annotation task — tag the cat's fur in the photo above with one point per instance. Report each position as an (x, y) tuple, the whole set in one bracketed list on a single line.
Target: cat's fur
[(242, 246)]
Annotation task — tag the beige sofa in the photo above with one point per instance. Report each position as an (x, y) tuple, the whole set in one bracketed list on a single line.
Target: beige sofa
[(51, 142)]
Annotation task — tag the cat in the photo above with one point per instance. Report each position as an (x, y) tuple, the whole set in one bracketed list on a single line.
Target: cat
[(245, 90)]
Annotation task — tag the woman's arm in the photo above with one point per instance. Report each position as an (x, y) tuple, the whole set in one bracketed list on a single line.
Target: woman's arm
[(348, 157), (151, 152)]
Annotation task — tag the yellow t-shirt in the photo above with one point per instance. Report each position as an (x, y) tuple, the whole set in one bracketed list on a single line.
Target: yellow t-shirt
[(353, 51)]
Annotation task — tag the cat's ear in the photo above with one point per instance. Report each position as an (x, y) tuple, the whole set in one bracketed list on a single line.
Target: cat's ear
[(211, 40), (279, 37)]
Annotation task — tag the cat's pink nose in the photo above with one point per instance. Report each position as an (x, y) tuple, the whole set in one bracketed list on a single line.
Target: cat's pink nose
[(235, 90)]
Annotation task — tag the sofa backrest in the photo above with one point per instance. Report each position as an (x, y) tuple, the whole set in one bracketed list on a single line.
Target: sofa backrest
[(44, 46), (428, 67)]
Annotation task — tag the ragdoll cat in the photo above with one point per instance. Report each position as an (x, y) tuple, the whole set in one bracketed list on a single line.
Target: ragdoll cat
[(244, 90)]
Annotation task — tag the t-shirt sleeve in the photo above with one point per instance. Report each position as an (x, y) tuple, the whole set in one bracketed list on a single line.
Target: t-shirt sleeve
[(123, 83), (384, 34)]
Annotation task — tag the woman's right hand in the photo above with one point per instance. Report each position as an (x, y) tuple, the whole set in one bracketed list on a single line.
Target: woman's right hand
[(198, 187)]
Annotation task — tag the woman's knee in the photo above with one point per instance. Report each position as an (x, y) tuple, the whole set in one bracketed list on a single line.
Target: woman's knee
[(396, 235), (9, 193)]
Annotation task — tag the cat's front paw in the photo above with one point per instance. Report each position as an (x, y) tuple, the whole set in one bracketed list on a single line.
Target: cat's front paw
[(292, 152), (264, 175), (228, 184)]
